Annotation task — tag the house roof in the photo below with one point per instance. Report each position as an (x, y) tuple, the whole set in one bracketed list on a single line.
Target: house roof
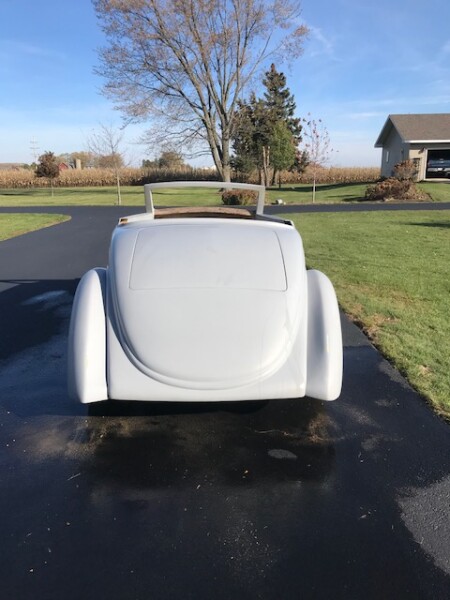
[(417, 128)]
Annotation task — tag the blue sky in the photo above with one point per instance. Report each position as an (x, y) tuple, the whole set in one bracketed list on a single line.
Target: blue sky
[(363, 60)]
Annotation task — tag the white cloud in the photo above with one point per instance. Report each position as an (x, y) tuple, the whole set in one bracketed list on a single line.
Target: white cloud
[(320, 44)]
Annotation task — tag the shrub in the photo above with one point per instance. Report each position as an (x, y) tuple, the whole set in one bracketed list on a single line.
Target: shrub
[(394, 189), (384, 190), (406, 170), (47, 167), (239, 197)]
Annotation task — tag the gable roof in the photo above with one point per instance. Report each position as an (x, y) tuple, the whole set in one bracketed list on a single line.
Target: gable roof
[(417, 128)]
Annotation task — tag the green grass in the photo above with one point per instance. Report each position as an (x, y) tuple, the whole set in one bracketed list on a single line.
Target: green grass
[(325, 193), (134, 195), (107, 196), (438, 191), (391, 274), (14, 224), (76, 196)]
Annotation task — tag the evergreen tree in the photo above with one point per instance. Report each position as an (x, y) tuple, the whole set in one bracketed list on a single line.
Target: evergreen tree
[(262, 122), (283, 150), (251, 137), (280, 102)]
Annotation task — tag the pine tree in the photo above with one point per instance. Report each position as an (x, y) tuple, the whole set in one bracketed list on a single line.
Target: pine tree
[(280, 102), (283, 151), (251, 136), (261, 122)]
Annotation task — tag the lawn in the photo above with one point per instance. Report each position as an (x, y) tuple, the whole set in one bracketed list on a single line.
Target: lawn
[(76, 196), (391, 274), (134, 196), (439, 191), (13, 224), (325, 193)]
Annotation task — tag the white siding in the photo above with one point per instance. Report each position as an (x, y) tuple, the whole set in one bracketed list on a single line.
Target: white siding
[(394, 151)]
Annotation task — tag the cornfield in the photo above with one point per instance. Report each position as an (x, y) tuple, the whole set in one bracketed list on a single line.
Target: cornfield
[(101, 177), (133, 176), (339, 175), (330, 175)]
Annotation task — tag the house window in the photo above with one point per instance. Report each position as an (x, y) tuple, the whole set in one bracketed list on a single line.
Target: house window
[(387, 156)]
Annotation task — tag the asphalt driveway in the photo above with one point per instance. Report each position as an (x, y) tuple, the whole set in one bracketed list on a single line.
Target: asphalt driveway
[(301, 499)]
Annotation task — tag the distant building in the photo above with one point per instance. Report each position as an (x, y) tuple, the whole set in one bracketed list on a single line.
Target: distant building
[(423, 138)]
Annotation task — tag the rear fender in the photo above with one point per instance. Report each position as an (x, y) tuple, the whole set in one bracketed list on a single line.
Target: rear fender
[(87, 340), (324, 355)]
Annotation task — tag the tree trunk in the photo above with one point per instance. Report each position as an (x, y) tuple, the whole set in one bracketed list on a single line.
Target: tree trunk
[(266, 163), (226, 168), (220, 149), (223, 167), (226, 173), (119, 197)]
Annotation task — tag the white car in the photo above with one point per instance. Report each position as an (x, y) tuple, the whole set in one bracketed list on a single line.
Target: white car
[(204, 304)]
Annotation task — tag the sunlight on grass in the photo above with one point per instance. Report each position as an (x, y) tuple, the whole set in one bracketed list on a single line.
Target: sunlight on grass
[(14, 224), (134, 195), (439, 191), (391, 274)]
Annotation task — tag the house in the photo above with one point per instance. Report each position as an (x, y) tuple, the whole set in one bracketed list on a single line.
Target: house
[(423, 138)]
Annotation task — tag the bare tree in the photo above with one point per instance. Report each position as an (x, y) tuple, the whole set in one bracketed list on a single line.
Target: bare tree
[(317, 146), (104, 144), (188, 61)]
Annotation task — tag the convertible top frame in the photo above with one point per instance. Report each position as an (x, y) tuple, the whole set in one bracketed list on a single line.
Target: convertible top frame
[(221, 212), (209, 184)]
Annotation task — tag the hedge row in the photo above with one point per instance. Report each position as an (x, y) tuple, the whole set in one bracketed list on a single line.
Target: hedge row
[(129, 176)]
